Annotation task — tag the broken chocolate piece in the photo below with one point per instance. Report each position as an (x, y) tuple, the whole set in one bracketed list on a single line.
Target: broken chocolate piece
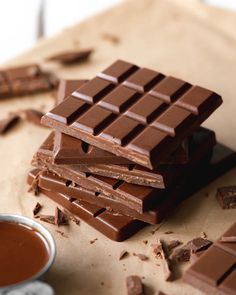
[(32, 116), (70, 57), (173, 244), (71, 217), (8, 123), (134, 285), (198, 244), (123, 254), (161, 252), (142, 257), (47, 218), (110, 37), (60, 217), (37, 208), (93, 241), (226, 197)]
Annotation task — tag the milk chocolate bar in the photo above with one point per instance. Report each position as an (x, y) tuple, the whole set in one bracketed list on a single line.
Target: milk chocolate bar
[(222, 160), (69, 150), (135, 113), (214, 272), (24, 80), (160, 177), (115, 226), (137, 197)]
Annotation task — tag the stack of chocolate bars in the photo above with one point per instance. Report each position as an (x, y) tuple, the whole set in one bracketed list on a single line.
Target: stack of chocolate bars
[(127, 148)]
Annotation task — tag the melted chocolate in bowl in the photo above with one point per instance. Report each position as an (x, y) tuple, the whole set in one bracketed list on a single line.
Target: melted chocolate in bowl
[(23, 252)]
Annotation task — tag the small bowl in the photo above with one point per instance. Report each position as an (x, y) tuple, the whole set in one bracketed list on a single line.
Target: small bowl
[(48, 237)]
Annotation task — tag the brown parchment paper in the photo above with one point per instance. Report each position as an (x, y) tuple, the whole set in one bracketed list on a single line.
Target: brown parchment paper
[(181, 38)]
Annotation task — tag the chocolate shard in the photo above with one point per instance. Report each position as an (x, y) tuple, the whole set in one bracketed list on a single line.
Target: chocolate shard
[(32, 116), (123, 254), (60, 217), (161, 252), (47, 218), (142, 257), (70, 57), (71, 217), (226, 197), (8, 123), (37, 208), (111, 37), (173, 244), (134, 285), (198, 244), (93, 241), (180, 255)]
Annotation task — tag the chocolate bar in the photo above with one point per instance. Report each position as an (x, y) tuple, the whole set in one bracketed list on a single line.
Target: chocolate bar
[(68, 150), (135, 113), (220, 163), (115, 226), (139, 198), (160, 177), (24, 80), (214, 272)]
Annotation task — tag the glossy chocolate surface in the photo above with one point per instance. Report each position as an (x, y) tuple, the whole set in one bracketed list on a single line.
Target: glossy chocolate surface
[(23, 253)]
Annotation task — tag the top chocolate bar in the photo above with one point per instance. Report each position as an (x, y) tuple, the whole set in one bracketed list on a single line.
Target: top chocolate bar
[(133, 112)]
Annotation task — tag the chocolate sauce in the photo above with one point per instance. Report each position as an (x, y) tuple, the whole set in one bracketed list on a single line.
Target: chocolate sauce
[(23, 252)]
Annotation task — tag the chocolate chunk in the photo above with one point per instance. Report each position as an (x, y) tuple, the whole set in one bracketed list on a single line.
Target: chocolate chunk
[(198, 244), (214, 272), (71, 56), (8, 123), (181, 255), (173, 244), (142, 257), (119, 126), (160, 251), (37, 208), (123, 254), (47, 218), (134, 285), (32, 116), (226, 197), (71, 217), (168, 232), (61, 218)]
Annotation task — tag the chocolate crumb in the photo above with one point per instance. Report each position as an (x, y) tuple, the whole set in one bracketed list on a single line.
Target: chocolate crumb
[(37, 208), (93, 241), (226, 197), (8, 123), (231, 239), (168, 232), (134, 285), (110, 37), (47, 218), (102, 283), (203, 235), (145, 242), (160, 251), (141, 256), (123, 254), (62, 233), (156, 229), (61, 218)]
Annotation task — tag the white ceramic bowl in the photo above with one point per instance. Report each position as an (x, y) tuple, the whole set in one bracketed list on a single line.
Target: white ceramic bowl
[(48, 237)]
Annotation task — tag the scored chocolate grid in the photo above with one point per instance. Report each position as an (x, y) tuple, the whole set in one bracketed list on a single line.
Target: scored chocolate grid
[(118, 114)]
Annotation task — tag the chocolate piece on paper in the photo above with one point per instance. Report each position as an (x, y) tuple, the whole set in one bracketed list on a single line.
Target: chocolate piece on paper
[(226, 197), (214, 272), (137, 113), (46, 218), (137, 197), (61, 218), (115, 226), (198, 244), (32, 116), (37, 208), (173, 244), (134, 285), (161, 252), (123, 254), (70, 57), (8, 123), (23, 80)]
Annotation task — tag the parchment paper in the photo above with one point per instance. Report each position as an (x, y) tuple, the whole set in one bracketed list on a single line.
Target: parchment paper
[(181, 38)]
